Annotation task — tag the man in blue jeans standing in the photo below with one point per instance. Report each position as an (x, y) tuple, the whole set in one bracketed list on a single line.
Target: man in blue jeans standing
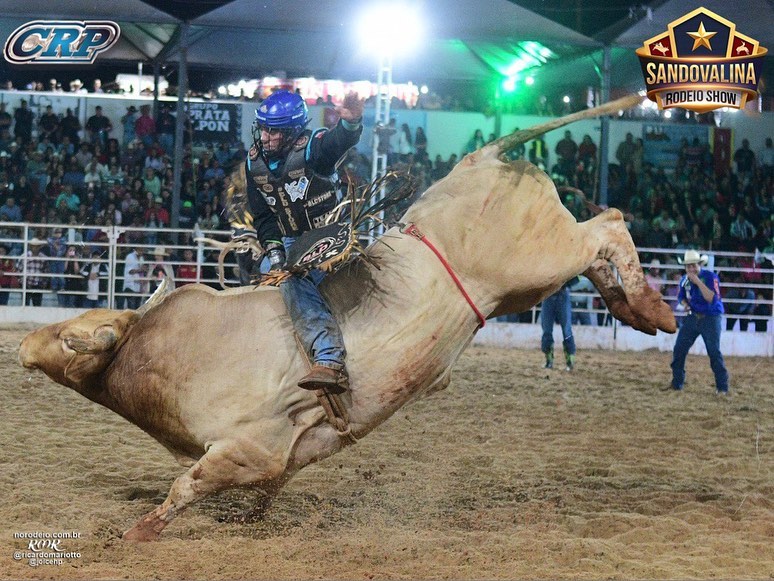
[(700, 294), (558, 308)]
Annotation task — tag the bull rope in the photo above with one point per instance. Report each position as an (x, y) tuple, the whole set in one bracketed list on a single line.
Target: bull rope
[(331, 403)]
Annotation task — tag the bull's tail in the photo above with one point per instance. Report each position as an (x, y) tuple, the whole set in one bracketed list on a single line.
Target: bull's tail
[(632, 301)]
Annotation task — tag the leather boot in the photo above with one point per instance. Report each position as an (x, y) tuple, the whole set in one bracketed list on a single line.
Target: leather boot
[(320, 377)]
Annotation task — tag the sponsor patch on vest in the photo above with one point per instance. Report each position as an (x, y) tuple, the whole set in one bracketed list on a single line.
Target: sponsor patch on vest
[(260, 180), (268, 188), (271, 200), (297, 190), (295, 174)]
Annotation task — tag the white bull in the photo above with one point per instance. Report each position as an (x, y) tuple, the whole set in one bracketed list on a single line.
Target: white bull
[(212, 375)]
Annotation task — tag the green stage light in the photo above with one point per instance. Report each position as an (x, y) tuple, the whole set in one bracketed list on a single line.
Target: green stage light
[(509, 84)]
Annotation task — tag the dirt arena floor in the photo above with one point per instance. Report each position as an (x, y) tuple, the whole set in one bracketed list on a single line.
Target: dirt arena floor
[(513, 472)]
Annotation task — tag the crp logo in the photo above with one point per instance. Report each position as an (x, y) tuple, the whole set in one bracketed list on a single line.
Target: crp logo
[(60, 41)]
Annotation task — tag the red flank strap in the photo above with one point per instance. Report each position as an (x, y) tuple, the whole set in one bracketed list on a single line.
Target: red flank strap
[(412, 230)]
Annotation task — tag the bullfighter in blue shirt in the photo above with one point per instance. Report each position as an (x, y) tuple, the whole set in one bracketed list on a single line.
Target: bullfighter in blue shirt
[(700, 294)]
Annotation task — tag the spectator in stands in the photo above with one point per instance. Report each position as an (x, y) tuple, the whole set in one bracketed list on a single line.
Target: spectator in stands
[(145, 127), (420, 142), (76, 86), (161, 269), (384, 136), (23, 117), (654, 278), (35, 266), (214, 172), (128, 122), (476, 142), (567, 152), (625, 152), (151, 182), (8, 279), (69, 198), (96, 86), (98, 128), (5, 119), (134, 272), (154, 160), (186, 272), (92, 179), (744, 158), (48, 125), (743, 232), (96, 275), (700, 294), (208, 220), (538, 153), (165, 129), (405, 145), (10, 212), (73, 281), (70, 126), (587, 152)]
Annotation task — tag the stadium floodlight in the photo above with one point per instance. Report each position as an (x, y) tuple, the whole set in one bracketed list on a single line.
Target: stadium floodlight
[(390, 28), (423, 89), (530, 80), (222, 90), (566, 99), (509, 84)]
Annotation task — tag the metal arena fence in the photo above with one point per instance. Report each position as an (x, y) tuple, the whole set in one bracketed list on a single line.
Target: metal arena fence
[(51, 265)]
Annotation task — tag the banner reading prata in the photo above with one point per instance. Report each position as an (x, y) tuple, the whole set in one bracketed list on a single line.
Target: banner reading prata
[(215, 122), (701, 63)]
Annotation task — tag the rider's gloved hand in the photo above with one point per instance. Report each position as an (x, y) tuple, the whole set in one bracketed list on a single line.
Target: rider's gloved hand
[(243, 234), (276, 254)]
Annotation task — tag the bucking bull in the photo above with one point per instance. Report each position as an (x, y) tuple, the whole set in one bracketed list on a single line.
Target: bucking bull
[(212, 375)]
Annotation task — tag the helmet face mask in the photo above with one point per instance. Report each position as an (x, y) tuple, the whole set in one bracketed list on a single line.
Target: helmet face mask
[(279, 122)]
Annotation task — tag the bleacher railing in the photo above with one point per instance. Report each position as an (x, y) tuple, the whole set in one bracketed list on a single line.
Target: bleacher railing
[(113, 243)]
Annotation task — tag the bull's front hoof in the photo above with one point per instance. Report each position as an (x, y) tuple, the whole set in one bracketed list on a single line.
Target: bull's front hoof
[(142, 532)]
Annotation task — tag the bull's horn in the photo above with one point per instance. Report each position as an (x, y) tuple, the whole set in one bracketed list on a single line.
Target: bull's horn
[(508, 142), (101, 342), (156, 298)]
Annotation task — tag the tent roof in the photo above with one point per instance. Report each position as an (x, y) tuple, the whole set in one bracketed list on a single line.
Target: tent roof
[(318, 38), (753, 18)]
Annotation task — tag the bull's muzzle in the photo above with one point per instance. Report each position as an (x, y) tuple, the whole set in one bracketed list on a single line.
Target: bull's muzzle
[(26, 359)]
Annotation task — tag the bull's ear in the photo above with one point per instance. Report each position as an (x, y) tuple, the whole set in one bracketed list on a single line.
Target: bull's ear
[(104, 338)]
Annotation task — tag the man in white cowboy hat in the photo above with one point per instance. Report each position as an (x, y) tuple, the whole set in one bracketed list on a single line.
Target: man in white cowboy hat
[(160, 269), (700, 294)]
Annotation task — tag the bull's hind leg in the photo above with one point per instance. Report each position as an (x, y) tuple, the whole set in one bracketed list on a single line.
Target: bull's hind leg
[(635, 303), (223, 466)]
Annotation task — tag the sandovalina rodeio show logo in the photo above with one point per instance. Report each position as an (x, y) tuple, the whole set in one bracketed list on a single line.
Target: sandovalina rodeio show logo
[(701, 63)]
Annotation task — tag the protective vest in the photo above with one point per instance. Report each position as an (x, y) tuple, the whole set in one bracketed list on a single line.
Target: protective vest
[(300, 198)]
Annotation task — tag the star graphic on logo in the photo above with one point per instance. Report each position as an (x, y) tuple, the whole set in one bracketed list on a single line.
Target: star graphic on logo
[(701, 37)]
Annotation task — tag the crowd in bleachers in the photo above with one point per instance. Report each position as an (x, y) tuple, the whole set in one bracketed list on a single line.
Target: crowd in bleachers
[(53, 170)]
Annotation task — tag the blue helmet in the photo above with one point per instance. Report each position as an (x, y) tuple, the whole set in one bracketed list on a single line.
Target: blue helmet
[(282, 110)]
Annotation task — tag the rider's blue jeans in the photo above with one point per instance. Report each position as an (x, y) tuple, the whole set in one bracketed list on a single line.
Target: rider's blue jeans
[(313, 322)]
